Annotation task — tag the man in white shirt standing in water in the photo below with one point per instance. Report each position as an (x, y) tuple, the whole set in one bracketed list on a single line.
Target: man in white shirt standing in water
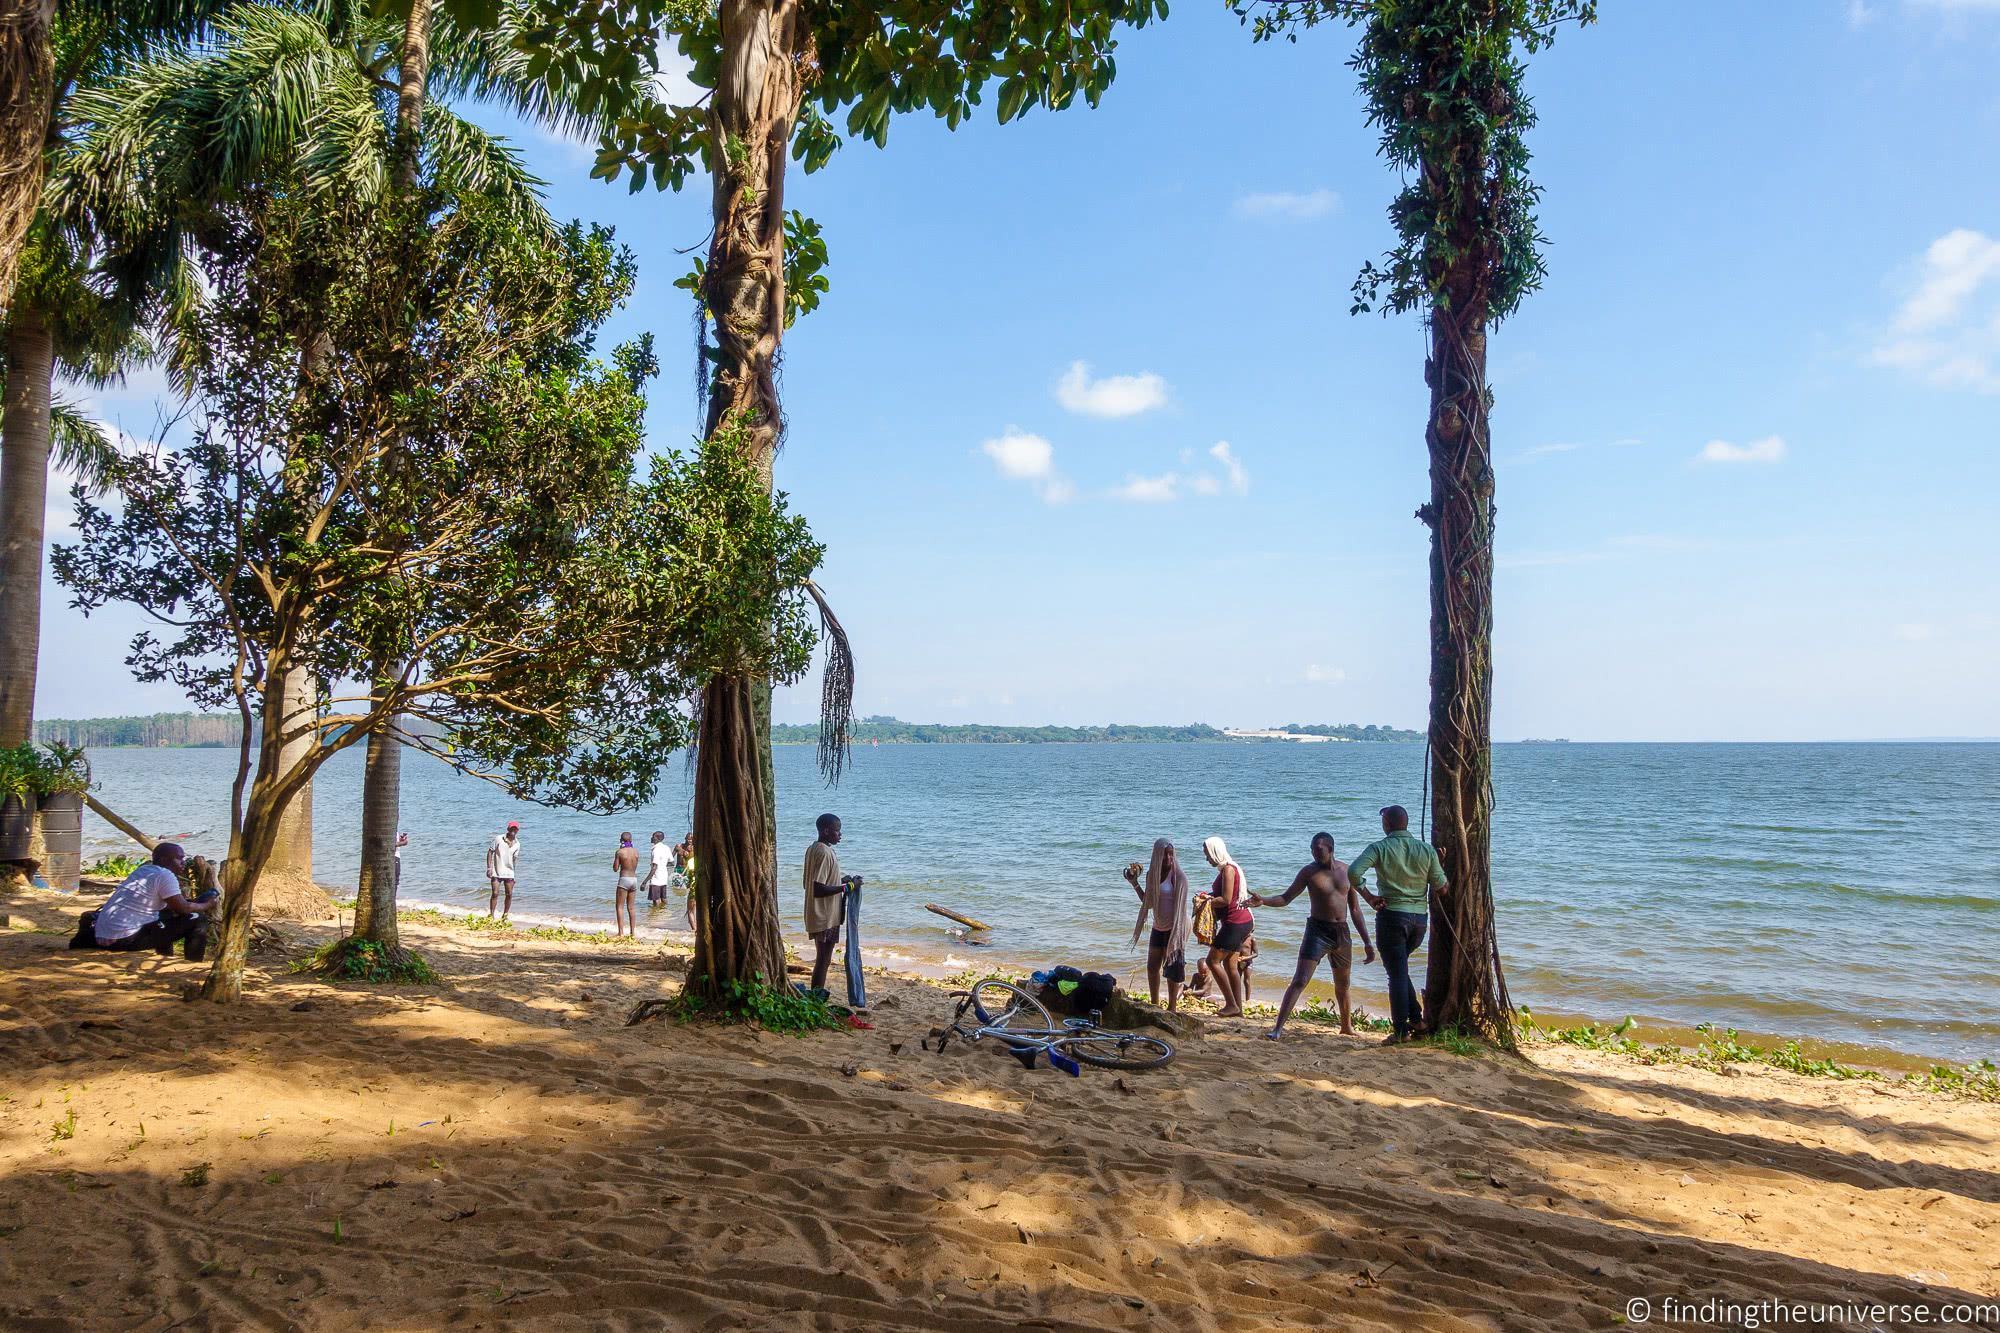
[(500, 869)]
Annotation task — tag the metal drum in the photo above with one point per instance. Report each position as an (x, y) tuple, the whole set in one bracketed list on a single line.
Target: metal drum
[(60, 821), (17, 829)]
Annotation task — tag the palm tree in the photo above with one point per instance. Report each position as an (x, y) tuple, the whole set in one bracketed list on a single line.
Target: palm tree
[(27, 69), (62, 314), (303, 91)]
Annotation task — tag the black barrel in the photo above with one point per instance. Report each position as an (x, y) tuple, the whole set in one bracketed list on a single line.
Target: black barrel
[(17, 829), (61, 820)]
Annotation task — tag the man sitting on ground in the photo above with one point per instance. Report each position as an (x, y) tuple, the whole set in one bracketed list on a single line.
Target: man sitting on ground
[(1333, 902), (132, 917)]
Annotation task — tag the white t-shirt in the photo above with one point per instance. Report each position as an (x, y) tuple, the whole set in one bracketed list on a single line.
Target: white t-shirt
[(663, 864), (500, 856), (136, 903)]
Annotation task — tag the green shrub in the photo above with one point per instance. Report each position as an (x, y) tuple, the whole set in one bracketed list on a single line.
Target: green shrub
[(42, 770), (771, 1008), (113, 867)]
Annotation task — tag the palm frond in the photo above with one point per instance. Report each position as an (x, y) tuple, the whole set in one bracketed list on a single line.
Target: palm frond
[(81, 445), (462, 157), (493, 64)]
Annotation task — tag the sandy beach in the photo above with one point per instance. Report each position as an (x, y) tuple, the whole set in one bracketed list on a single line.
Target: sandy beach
[(503, 1151)]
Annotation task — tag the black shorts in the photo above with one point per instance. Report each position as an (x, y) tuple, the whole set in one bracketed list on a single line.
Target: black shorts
[(1328, 937), (1175, 965), (1229, 938)]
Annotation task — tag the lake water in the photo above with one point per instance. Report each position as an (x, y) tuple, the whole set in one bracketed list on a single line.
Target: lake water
[(1847, 892)]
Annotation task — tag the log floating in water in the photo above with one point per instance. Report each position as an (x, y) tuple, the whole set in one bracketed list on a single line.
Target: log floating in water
[(965, 921)]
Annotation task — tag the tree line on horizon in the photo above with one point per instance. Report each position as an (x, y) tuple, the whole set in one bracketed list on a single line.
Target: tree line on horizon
[(403, 460), (219, 730)]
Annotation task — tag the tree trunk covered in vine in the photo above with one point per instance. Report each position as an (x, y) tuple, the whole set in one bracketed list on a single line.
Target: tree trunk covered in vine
[(755, 103), (27, 87), (1464, 986), (24, 496)]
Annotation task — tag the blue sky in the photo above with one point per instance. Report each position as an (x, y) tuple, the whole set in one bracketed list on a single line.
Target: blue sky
[(1091, 436)]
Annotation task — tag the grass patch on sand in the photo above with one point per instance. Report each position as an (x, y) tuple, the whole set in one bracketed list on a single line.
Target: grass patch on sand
[(112, 867), (351, 959), (1721, 1047), (772, 1008), (430, 916)]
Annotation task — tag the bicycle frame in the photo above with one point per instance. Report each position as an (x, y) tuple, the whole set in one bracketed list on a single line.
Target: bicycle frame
[(1025, 1044)]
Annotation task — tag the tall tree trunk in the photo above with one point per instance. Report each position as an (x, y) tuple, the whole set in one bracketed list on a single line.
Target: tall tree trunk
[(382, 780), (416, 66), (27, 87), (251, 844), (1464, 987), (292, 853), (381, 795), (24, 497), (755, 104)]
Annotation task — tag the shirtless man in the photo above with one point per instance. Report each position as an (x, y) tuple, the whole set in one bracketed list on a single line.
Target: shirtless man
[(625, 898), (1334, 901)]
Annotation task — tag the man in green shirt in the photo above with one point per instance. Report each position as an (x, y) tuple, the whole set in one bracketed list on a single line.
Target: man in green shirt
[(1406, 868)]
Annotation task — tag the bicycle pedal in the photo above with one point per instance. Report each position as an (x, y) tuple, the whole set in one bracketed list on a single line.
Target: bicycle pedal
[(1064, 1063)]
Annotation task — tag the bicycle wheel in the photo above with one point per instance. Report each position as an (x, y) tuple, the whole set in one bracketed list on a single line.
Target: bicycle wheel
[(1002, 1004), (1120, 1050)]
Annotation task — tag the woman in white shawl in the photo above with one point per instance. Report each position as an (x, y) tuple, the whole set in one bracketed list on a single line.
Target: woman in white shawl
[(1166, 901), (1233, 926)]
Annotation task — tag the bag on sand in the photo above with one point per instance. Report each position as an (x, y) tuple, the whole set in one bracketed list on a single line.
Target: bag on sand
[(1206, 919), (1094, 993)]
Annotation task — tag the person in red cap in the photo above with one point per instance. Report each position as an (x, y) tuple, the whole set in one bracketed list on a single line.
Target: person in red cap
[(500, 870)]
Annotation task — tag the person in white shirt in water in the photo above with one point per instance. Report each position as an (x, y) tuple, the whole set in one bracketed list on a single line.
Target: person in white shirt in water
[(660, 875), (149, 911), (500, 870)]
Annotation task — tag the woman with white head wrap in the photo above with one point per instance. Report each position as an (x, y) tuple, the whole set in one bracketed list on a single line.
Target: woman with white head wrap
[(1166, 900), (1233, 926)]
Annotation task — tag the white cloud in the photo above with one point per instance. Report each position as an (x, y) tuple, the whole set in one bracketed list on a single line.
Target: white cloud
[(1859, 14), (1287, 205), (1915, 633), (1947, 331), (1162, 489), (1239, 478), (1541, 451), (1206, 485), (1770, 449), (1021, 456), (1111, 396), (1319, 675)]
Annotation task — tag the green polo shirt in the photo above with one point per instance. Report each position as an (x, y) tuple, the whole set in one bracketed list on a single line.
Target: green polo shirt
[(1405, 866)]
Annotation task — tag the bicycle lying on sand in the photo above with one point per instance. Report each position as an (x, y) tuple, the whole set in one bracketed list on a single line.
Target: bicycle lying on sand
[(1021, 1023)]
